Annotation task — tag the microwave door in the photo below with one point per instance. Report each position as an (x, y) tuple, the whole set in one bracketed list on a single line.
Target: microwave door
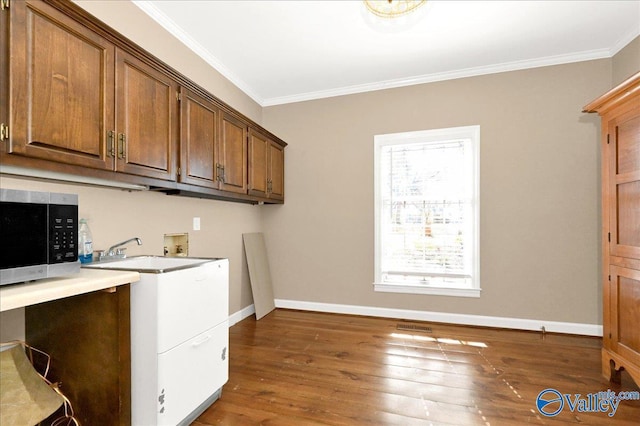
[(23, 235)]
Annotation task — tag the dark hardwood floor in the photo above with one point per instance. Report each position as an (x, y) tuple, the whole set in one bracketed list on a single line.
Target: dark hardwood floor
[(304, 368)]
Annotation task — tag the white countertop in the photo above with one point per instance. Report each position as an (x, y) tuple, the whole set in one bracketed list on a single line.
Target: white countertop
[(87, 280)]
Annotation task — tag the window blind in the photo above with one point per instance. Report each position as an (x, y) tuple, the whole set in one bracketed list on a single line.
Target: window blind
[(427, 213)]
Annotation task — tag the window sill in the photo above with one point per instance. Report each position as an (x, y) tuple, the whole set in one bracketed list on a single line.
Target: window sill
[(435, 291)]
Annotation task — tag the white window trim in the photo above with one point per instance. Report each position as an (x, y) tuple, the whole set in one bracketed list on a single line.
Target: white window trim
[(464, 132)]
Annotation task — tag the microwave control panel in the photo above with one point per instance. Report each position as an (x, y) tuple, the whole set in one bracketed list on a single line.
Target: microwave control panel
[(63, 233)]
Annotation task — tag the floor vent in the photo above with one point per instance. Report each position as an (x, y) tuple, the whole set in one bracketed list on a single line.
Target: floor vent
[(414, 327)]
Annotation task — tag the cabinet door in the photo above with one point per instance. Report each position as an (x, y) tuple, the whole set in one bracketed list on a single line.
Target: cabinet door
[(199, 120), (624, 183), (276, 171), (191, 301), (146, 119), (258, 160), (232, 152), (624, 299), (266, 167), (190, 373), (61, 87)]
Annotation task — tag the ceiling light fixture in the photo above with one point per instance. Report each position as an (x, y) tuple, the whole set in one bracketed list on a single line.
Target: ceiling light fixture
[(390, 9)]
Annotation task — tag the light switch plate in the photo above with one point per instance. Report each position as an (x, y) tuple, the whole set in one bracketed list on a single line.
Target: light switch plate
[(196, 223)]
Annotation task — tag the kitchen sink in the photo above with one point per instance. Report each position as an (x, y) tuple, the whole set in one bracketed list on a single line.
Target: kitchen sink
[(149, 264)]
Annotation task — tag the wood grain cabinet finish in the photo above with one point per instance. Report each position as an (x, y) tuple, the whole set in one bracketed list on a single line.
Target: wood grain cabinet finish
[(620, 113), (89, 340), (266, 167), (79, 98), (64, 94), (275, 171), (146, 128), (258, 152), (61, 84), (199, 134), (232, 153)]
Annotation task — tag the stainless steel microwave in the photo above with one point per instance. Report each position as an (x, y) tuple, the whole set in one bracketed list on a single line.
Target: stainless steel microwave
[(38, 235)]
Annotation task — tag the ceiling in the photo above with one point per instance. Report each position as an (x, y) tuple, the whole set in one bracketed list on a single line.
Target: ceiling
[(288, 51)]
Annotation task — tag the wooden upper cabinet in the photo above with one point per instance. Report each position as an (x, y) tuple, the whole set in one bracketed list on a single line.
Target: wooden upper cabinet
[(199, 132), (258, 154), (232, 154), (275, 169), (266, 167), (146, 121), (65, 82), (61, 87), (78, 98)]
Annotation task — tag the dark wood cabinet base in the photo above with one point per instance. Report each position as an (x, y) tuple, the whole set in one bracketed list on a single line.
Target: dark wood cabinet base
[(88, 339)]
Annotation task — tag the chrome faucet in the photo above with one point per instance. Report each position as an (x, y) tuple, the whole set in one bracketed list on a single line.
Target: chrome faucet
[(118, 253)]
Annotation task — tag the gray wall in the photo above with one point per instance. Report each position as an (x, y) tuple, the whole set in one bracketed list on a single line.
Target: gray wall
[(626, 62), (539, 191)]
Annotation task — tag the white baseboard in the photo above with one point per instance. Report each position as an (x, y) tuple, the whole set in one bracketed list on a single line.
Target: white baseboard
[(462, 319), (238, 316)]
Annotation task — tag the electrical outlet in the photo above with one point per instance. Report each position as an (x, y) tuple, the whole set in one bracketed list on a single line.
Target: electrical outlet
[(196, 223)]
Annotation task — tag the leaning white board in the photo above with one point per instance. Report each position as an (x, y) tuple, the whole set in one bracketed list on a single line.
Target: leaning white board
[(259, 273)]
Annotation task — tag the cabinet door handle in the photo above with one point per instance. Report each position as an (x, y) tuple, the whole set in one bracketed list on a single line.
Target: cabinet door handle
[(122, 141), (202, 340), (111, 148)]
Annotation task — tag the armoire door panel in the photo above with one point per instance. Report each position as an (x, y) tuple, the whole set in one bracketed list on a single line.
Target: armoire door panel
[(626, 312), (628, 214), (61, 83), (624, 184), (628, 146)]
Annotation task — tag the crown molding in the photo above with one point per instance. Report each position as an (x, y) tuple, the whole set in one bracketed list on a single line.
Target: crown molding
[(449, 75), (624, 41), (169, 25)]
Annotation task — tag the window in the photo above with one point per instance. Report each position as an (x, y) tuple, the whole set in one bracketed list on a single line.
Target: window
[(427, 212)]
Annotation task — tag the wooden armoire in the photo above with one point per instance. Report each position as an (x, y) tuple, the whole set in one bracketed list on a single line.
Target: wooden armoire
[(620, 113)]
